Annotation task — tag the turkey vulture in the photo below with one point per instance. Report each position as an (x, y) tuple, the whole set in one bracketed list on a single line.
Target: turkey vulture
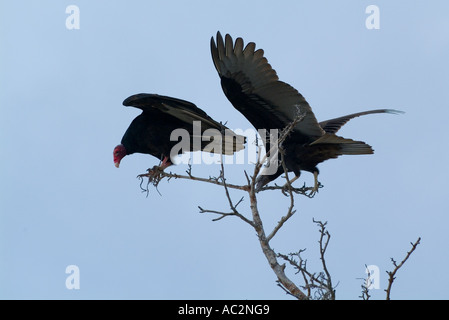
[(254, 89), (150, 131)]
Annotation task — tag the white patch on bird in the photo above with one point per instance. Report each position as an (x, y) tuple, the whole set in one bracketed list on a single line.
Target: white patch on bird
[(224, 146)]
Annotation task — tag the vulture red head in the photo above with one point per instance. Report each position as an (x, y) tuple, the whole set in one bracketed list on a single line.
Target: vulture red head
[(119, 153)]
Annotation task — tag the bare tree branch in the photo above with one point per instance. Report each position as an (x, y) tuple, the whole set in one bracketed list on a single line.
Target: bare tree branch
[(391, 274), (290, 211), (231, 204), (365, 285), (155, 175), (301, 190), (268, 252), (227, 214), (316, 285), (264, 242), (324, 241), (223, 180), (320, 283)]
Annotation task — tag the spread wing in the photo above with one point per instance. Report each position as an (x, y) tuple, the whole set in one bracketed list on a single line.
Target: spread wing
[(333, 125), (254, 89)]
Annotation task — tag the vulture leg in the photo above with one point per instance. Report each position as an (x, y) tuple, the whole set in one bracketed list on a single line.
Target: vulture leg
[(316, 184), (165, 163), (154, 174)]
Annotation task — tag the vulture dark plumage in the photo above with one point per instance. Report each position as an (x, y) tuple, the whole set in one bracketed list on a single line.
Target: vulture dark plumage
[(150, 132), (253, 87)]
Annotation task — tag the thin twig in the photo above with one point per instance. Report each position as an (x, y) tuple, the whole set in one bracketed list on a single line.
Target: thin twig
[(391, 274), (226, 214), (223, 180), (282, 136), (228, 196), (290, 211), (365, 285), (323, 247)]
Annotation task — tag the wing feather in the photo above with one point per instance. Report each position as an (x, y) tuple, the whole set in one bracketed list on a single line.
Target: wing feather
[(333, 125), (187, 112), (253, 87)]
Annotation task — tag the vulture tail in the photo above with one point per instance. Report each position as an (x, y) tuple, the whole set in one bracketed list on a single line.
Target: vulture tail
[(345, 146)]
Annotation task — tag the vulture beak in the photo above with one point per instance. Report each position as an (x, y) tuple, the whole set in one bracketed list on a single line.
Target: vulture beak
[(117, 164)]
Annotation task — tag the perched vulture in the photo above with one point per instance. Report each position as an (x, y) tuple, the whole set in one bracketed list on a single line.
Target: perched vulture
[(150, 131), (253, 87)]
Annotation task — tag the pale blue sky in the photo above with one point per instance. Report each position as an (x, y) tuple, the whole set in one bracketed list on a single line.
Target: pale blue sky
[(63, 202)]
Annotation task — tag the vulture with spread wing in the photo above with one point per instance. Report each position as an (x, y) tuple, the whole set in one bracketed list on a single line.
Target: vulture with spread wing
[(254, 89), (151, 131)]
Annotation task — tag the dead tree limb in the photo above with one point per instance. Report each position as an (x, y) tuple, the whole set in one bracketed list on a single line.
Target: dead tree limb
[(392, 274)]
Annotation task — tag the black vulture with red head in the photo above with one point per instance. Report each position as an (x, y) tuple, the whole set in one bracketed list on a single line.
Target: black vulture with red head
[(151, 131), (254, 89)]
